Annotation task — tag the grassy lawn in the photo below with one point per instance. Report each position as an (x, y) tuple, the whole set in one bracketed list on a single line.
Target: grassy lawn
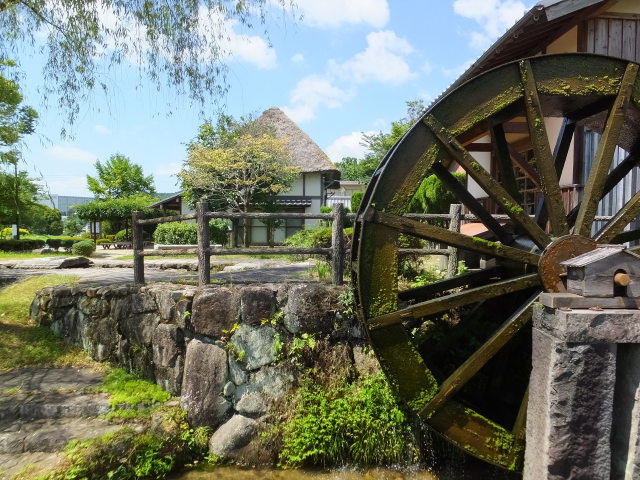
[(22, 343), (25, 255), (223, 257)]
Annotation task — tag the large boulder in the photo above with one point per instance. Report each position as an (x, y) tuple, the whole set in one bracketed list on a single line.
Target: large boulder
[(168, 357), (310, 308), (254, 345), (205, 375), (232, 436), (257, 304), (214, 309)]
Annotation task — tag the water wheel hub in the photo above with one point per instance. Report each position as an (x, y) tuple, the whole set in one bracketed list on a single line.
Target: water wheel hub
[(561, 249)]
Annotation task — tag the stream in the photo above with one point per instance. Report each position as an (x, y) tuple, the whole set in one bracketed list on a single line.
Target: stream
[(460, 472)]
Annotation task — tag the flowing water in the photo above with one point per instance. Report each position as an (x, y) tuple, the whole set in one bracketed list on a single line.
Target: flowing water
[(449, 473)]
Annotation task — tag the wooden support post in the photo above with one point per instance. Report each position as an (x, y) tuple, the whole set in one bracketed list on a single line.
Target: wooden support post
[(204, 244), (234, 232), (138, 246), (455, 211), (337, 242)]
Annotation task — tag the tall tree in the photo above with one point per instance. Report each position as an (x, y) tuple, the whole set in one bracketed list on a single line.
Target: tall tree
[(239, 168), (16, 121), (378, 144), (118, 177), (182, 43)]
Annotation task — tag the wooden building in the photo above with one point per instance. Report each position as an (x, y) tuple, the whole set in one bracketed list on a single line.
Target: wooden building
[(607, 27)]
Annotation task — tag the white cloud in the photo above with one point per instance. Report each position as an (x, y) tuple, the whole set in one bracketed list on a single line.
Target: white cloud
[(312, 92), (382, 61), (251, 49), (69, 153), (101, 129), (347, 146), (168, 169), (297, 58), (334, 13), (493, 16)]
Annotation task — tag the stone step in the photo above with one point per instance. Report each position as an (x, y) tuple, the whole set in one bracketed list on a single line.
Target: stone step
[(33, 464), (46, 379), (50, 435), (52, 405)]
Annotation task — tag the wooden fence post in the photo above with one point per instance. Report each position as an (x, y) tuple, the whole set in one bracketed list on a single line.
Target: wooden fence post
[(337, 242), (204, 244), (455, 211), (138, 246), (234, 233)]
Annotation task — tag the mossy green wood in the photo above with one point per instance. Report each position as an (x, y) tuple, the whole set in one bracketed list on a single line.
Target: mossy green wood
[(569, 85)]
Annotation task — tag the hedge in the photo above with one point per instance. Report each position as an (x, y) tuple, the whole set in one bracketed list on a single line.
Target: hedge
[(179, 233), (20, 245), (85, 248)]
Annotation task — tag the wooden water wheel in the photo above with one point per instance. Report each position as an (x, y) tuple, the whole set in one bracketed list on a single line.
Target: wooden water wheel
[(457, 351)]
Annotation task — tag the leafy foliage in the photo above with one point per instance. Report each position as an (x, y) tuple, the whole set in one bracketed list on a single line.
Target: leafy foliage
[(181, 44), (85, 248), (356, 200), (119, 178), (433, 196), (20, 245), (115, 208), (310, 238), (236, 166), (378, 144), (356, 423), (16, 120), (179, 233)]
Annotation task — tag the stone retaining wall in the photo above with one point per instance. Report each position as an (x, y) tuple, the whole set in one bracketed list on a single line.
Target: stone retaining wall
[(221, 349)]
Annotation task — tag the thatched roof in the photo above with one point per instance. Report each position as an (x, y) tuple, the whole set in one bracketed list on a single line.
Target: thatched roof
[(305, 153)]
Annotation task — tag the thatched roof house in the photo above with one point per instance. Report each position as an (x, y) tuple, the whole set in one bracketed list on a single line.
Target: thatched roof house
[(305, 153)]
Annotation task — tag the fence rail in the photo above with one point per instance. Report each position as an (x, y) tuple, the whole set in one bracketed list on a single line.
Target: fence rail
[(336, 253)]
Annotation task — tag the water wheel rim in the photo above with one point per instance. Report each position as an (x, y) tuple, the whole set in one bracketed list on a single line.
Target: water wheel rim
[(573, 86)]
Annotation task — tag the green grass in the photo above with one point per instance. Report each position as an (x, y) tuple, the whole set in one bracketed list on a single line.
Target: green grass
[(130, 396), (22, 342), (223, 257), (25, 255)]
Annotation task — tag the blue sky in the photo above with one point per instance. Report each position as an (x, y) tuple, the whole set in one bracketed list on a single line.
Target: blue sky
[(347, 67)]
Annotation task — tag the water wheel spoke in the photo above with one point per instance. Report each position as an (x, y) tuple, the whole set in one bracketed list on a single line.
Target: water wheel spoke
[(621, 219), (474, 206), (594, 188), (480, 357), (501, 150), (617, 174), (542, 152), (628, 236), (487, 182), (455, 300), (560, 152), (468, 279), (454, 239)]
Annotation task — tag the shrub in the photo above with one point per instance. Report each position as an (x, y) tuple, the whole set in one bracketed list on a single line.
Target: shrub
[(356, 200), (346, 423), (54, 242), (312, 238), (6, 232), (123, 236), (67, 242), (20, 245), (84, 248), (179, 233)]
